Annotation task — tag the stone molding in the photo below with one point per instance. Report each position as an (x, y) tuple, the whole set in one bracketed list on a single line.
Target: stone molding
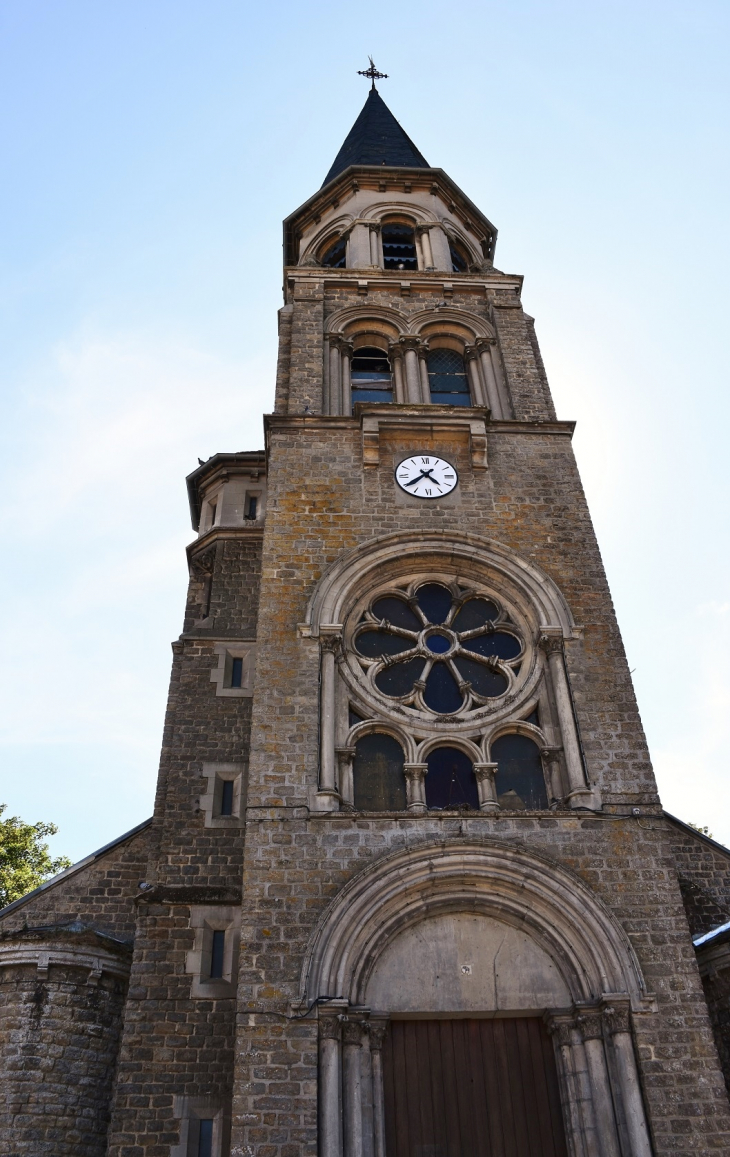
[(221, 674), (508, 883), (58, 948), (362, 567)]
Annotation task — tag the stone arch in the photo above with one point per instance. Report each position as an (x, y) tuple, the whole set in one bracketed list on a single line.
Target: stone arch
[(369, 563), (468, 746), (446, 317), (329, 232), (517, 887), (360, 314), (383, 727)]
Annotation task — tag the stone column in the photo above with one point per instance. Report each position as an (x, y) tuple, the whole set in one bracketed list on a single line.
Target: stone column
[(562, 1029), (395, 353), (352, 1087), (335, 375), (358, 250), (366, 1083), (423, 374), (579, 794), (375, 254), (440, 249), (485, 773), (617, 1016), (410, 346), (494, 401), (415, 774), (330, 643), (345, 757), (423, 231), (377, 1033), (471, 356), (590, 1026), (330, 1102), (345, 383), (551, 770)]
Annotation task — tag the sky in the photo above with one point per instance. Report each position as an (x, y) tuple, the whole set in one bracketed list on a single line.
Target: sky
[(152, 150)]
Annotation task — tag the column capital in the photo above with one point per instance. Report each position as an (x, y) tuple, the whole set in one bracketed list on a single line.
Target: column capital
[(410, 341), (471, 352), (589, 1023), (330, 1028), (378, 1029), (485, 771), (484, 344), (550, 754), (551, 641), (617, 1014), (352, 1031), (561, 1026)]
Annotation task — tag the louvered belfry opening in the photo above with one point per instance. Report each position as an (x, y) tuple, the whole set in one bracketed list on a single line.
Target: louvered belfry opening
[(471, 1088)]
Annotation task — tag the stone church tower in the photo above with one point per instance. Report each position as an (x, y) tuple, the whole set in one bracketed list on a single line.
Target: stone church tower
[(408, 890)]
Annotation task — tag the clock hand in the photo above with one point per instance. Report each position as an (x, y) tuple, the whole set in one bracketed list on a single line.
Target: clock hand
[(423, 474)]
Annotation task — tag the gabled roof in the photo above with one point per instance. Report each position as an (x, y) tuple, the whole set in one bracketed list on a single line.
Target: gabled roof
[(376, 138)]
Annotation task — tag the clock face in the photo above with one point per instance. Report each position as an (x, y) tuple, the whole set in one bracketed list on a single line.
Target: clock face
[(426, 476)]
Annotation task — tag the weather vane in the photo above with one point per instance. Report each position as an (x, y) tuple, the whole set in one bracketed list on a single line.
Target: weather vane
[(372, 73)]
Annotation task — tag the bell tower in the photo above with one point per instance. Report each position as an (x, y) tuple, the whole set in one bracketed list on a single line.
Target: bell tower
[(408, 888)]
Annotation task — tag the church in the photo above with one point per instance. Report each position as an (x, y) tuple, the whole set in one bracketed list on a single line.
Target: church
[(408, 889)]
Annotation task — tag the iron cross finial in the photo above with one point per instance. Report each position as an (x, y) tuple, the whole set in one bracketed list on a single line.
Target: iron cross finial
[(372, 73)]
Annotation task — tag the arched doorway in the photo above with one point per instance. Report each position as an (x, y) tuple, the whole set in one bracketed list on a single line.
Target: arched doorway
[(455, 947)]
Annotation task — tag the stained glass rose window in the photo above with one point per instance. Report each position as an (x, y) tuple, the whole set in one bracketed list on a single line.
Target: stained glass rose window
[(445, 649)]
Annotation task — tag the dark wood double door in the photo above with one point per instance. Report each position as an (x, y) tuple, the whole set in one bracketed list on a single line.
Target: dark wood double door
[(471, 1088)]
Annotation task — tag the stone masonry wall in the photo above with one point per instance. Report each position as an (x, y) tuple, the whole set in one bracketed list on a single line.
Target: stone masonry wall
[(58, 1043), (703, 868), (101, 895), (175, 1045)]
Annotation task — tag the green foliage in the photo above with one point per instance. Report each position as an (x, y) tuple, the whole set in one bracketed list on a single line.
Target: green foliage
[(25, 861), (705, 831)]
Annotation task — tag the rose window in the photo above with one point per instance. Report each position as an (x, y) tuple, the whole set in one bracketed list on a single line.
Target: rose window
[(443, 649)]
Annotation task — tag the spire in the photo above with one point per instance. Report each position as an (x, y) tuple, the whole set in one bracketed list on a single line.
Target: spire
[(376, 138)]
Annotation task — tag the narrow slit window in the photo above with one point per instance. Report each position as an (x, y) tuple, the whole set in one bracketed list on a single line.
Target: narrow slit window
[(236, 672), (227, 797), (205, 1137), (370, 376), (213, 508), (217, 950), (399, 247), (336, 256), (252, 508), (447, 379)]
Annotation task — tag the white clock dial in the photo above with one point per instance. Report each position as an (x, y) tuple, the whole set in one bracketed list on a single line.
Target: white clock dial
[(426, 476)]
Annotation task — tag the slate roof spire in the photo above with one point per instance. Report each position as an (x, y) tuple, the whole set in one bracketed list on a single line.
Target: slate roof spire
[(376, 138)]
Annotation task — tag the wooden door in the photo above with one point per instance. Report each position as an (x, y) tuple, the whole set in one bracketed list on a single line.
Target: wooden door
[(471, 1088)]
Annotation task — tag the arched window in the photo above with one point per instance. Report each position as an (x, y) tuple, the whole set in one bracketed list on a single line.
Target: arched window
[(447, 379), (378, 774), (370, 376), (520, 782), (399, 246), (336, 256), (459, 258), (450, 780)]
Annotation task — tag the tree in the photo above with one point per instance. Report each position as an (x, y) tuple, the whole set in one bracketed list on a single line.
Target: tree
[(704, 831), (25, 861)]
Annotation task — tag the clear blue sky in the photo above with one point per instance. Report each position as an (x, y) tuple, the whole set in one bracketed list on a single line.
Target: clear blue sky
[(151, 150)]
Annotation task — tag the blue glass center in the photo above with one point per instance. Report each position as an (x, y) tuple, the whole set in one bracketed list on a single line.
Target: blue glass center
[(439, 644)]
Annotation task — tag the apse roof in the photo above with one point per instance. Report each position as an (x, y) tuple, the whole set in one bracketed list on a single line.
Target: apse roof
[(376, 138)]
